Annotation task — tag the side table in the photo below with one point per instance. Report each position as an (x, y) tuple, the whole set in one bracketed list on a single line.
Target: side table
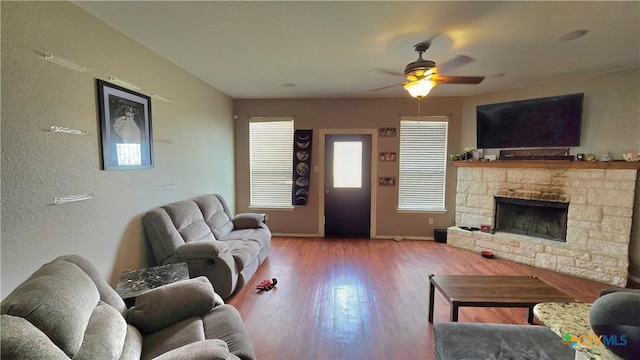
[(571, 321), (134, 283)]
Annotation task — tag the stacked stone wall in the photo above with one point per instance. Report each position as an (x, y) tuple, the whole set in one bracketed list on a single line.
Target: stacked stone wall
[(598, 227)]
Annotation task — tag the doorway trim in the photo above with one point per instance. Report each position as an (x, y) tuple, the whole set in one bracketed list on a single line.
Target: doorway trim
[(374, 173)]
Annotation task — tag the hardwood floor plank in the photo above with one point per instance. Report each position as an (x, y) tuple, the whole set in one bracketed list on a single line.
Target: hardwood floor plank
[(368, 299)]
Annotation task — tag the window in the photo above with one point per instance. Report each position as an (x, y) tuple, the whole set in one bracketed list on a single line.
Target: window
[(347, 164), (423, 163), (271, 162)]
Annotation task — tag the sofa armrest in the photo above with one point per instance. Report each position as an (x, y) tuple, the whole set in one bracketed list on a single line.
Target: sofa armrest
[(211, 349), (168, 304), (248, 220), (201, 249)]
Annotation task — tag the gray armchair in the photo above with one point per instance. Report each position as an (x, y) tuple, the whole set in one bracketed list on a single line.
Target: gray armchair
[(616, 316)]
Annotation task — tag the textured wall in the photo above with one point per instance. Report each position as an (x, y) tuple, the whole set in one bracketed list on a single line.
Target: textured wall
[(38, 166), (610, 122), (349, 114)]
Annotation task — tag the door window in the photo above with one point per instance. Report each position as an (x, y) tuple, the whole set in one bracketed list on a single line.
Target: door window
[(347, 164)]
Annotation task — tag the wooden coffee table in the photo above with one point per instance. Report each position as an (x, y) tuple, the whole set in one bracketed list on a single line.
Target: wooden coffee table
[(493, 291)]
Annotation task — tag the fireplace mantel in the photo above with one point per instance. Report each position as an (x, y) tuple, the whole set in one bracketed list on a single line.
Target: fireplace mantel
[(551, 164)]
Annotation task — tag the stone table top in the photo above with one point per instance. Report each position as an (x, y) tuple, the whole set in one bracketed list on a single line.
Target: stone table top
[(133, 283), (573, 319)]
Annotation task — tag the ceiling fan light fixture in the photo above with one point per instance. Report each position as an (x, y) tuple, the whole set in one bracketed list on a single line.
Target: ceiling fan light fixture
[(420, 88)]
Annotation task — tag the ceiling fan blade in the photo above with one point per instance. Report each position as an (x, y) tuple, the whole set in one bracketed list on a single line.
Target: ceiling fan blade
[(453, 64), (385, 87), (472, 80), (390, 72)]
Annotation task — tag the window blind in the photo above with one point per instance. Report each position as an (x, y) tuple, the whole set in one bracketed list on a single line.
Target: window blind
[(423, 163), (271, 162)]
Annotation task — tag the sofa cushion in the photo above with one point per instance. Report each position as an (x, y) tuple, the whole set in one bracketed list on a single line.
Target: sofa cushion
[(59, 299), (260, 236), (105, 335), (455, 341), (243, 252), (224, 322), (213, 349), (172, 337), (165, 305), (14, 330), (132, 344), (188, 219), (215, 215), (107, 294)]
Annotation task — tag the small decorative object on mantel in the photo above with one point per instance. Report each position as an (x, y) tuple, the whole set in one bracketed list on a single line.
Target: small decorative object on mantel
[(605, 157), (630, 156), (590, 157)]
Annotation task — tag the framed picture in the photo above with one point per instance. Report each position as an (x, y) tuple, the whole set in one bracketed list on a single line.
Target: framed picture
[(387, 132), (387, 156), (125, 124), (387, 181)]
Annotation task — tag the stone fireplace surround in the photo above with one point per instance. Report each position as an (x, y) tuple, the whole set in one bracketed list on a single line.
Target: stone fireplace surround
[(600, 197)]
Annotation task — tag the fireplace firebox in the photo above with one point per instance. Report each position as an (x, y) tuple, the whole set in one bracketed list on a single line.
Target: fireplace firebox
[(541, 219)]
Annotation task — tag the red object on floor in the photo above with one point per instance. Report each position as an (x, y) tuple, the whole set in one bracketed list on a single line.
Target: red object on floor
[(487, 254), (267, 285)]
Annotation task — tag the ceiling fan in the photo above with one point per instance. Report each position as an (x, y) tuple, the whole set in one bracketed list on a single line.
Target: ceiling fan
[(423, 75)]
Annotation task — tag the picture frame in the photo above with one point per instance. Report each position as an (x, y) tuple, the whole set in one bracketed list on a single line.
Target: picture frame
[(387, 132), (387, 181), (125, 128), (387, 156)]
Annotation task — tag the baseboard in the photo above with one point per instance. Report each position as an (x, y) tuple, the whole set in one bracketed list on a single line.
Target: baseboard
[(384, 237), (401, 237), (295, 235)]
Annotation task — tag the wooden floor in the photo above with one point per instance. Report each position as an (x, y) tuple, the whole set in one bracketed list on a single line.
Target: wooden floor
[(368, 299)]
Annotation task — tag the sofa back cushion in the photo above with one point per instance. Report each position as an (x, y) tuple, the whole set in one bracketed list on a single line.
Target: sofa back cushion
[(173, 225), (216, 214), (62, 302)]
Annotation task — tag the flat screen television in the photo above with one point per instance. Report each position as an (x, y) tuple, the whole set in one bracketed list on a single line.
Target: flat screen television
[(544, 122)]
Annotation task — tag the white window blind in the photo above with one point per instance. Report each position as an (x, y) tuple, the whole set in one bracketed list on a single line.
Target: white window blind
[(271, 161), (423, 163)]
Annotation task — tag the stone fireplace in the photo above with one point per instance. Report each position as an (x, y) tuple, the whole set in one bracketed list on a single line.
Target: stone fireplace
[(583, 214)]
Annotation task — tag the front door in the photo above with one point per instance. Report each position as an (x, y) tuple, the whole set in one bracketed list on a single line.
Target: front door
[(347, 198)]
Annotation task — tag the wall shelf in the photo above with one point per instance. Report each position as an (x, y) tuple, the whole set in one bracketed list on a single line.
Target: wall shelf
[(551, 164)]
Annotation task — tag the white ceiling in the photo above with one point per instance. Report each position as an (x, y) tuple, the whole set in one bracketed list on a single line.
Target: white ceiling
[(248, 50)]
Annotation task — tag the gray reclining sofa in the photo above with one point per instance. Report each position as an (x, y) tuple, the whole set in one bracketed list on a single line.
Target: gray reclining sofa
[(66, 310), (204, 234)]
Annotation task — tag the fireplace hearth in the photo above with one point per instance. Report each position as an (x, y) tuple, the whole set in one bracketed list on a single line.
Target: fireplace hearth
[(539, 219)]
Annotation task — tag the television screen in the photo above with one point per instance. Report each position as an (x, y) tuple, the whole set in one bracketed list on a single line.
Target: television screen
[(544, 122)]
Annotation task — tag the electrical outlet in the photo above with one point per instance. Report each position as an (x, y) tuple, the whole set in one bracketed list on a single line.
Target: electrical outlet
[(430, 221)]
